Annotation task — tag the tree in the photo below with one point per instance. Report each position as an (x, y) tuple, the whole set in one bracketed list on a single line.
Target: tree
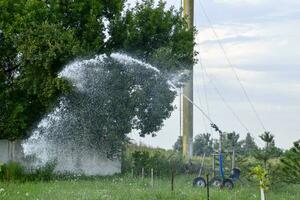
[(291, 165), (269, 151), (202, 144), (268, 138), (233, 138), (38, 38), (249, 146), (155, 35), (261, 174), (178, 144)]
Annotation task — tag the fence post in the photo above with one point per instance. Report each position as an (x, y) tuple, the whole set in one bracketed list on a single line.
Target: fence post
[(142, 173), (207, 185), (132, 175), (152, 180), (172, 179)]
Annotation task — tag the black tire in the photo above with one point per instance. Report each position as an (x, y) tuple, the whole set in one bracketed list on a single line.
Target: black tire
[(228, 184), (216, 182), (199, 182)]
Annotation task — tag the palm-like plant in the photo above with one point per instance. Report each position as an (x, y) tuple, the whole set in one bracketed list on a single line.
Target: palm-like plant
[(233, 138), (268, 138)]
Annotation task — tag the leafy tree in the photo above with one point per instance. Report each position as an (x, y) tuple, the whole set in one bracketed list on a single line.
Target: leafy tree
[(178, 144), (249, 146), (202, 144), (155, 35), (291, 164), (39, 37), (233, 138)]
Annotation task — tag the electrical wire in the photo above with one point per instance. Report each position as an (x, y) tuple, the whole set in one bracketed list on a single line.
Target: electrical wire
[(223, 98), (200, 102), (232, 67), (204, 87)]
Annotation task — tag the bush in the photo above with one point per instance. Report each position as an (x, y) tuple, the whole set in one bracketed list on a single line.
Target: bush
[(16, 172), (45, 173), (11, 171), (161, 161)]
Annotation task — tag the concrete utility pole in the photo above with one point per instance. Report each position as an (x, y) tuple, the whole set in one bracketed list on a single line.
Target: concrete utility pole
[(188, 91)]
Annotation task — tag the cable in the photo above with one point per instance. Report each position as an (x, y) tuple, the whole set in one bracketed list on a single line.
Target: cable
[(204, 88), (200, 102), (220, 95), (225, 101), (231, 66), (198, 107)]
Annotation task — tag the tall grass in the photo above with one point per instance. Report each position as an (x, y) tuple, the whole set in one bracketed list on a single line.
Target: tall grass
[(126, 187)]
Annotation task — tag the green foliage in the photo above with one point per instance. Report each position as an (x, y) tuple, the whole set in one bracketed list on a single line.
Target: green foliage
[(44, 173), (269, 151), (11, 171), (290, 162), (150, 32), (202, 144), (178, 145), (126, 187), (249, 146), (260, 174), (267, 137), (161, 161), (16, 172), (37, 38)]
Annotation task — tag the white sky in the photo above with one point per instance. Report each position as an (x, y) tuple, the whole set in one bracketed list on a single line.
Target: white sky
[(262, 39)]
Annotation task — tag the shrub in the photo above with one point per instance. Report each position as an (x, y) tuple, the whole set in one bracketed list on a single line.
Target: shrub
[(11, 171), (161, 161), (16, 172), (45, 173)]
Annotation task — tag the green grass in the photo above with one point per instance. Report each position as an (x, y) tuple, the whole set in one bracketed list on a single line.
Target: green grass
[(125, 188)]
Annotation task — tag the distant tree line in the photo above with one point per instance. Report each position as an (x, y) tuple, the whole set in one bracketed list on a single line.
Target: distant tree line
[(280, 165), (204, 143)]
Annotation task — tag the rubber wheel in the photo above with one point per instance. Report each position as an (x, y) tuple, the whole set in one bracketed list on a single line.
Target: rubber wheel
[(199, 181), (228, 184), (216, 182)]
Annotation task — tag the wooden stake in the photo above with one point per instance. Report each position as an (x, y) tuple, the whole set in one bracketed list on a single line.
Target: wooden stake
[(172, 180), (207, 186), (152, 180)]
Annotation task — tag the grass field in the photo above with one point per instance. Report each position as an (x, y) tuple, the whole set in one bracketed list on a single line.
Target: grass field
[(123, 188)]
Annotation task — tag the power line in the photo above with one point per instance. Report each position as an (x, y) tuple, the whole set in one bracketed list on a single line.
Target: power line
[(232, 67), (200, 101), (204, 87), (224, 100)]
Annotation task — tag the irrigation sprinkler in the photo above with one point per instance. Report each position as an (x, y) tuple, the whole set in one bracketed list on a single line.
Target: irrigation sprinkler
[(220, 181), (200, 181)]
